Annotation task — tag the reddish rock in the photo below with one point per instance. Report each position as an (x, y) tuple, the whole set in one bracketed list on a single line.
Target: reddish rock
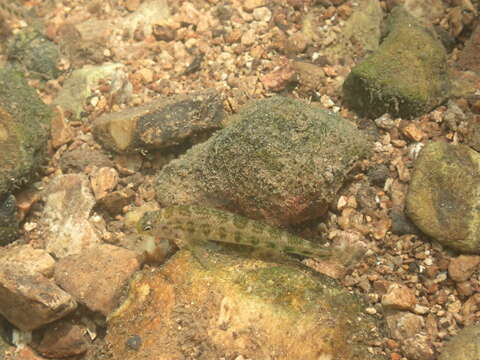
[(399, 297), (29, 300), (279, 79), (96, 276), (461, 268), (403, 325), (62, 339), (22, 353)]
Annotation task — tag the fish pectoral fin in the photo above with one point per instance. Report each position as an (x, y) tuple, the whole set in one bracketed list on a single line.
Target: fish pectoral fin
[(200, 253)]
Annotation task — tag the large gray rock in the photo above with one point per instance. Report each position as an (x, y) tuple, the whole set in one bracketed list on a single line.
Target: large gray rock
[(24, 130), (443, 198), (406, 76), (279, 159)]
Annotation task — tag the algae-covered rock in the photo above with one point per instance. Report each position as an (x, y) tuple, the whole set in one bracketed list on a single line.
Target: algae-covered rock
[(35, 53), (464, 346), (443, 198), (406, 76), (279, 159), (24, 130), (238, 307)]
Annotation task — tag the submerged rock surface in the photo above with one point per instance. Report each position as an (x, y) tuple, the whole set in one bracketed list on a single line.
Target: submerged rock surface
[(407, 75), (238, 307), (279, 159), (443, 198)]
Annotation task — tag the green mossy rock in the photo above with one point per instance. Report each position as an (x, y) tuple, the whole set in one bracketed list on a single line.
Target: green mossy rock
[(407, 76), (443, 198), (35, 53), (279, 159), (24, 131)]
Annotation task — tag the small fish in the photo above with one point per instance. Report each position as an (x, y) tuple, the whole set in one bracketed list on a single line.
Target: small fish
[(190, 226)]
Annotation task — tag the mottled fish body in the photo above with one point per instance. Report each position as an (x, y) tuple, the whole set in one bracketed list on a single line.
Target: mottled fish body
[(190, 224)]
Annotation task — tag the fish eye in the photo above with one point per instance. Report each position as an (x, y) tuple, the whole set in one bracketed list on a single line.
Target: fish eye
[(147, 227)]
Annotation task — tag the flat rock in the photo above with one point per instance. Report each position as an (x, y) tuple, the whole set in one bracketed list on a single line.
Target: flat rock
[(97, 276), (253, 166), (237, 307), (79, 159), (68, 204), (464, 346), (30, 300), (406, 76), (161, 124), (32, 260), (443, 196)]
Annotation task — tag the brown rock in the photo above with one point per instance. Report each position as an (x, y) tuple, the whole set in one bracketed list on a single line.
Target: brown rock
[(262, 14), (249, 5), (399, 297), (32, 260), (278, 80), (132, 5), (25, 200), (469, 58), (62, 339), (103, 181), (465, 289), (403, 325), (248, 38), (413, 132), (297, 43), (68, 204), (418, 347), (96, 276), (310, 77), (30, 300), (61, 132), (22, 353), (115, 201), (80, 158), (462, 267)]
